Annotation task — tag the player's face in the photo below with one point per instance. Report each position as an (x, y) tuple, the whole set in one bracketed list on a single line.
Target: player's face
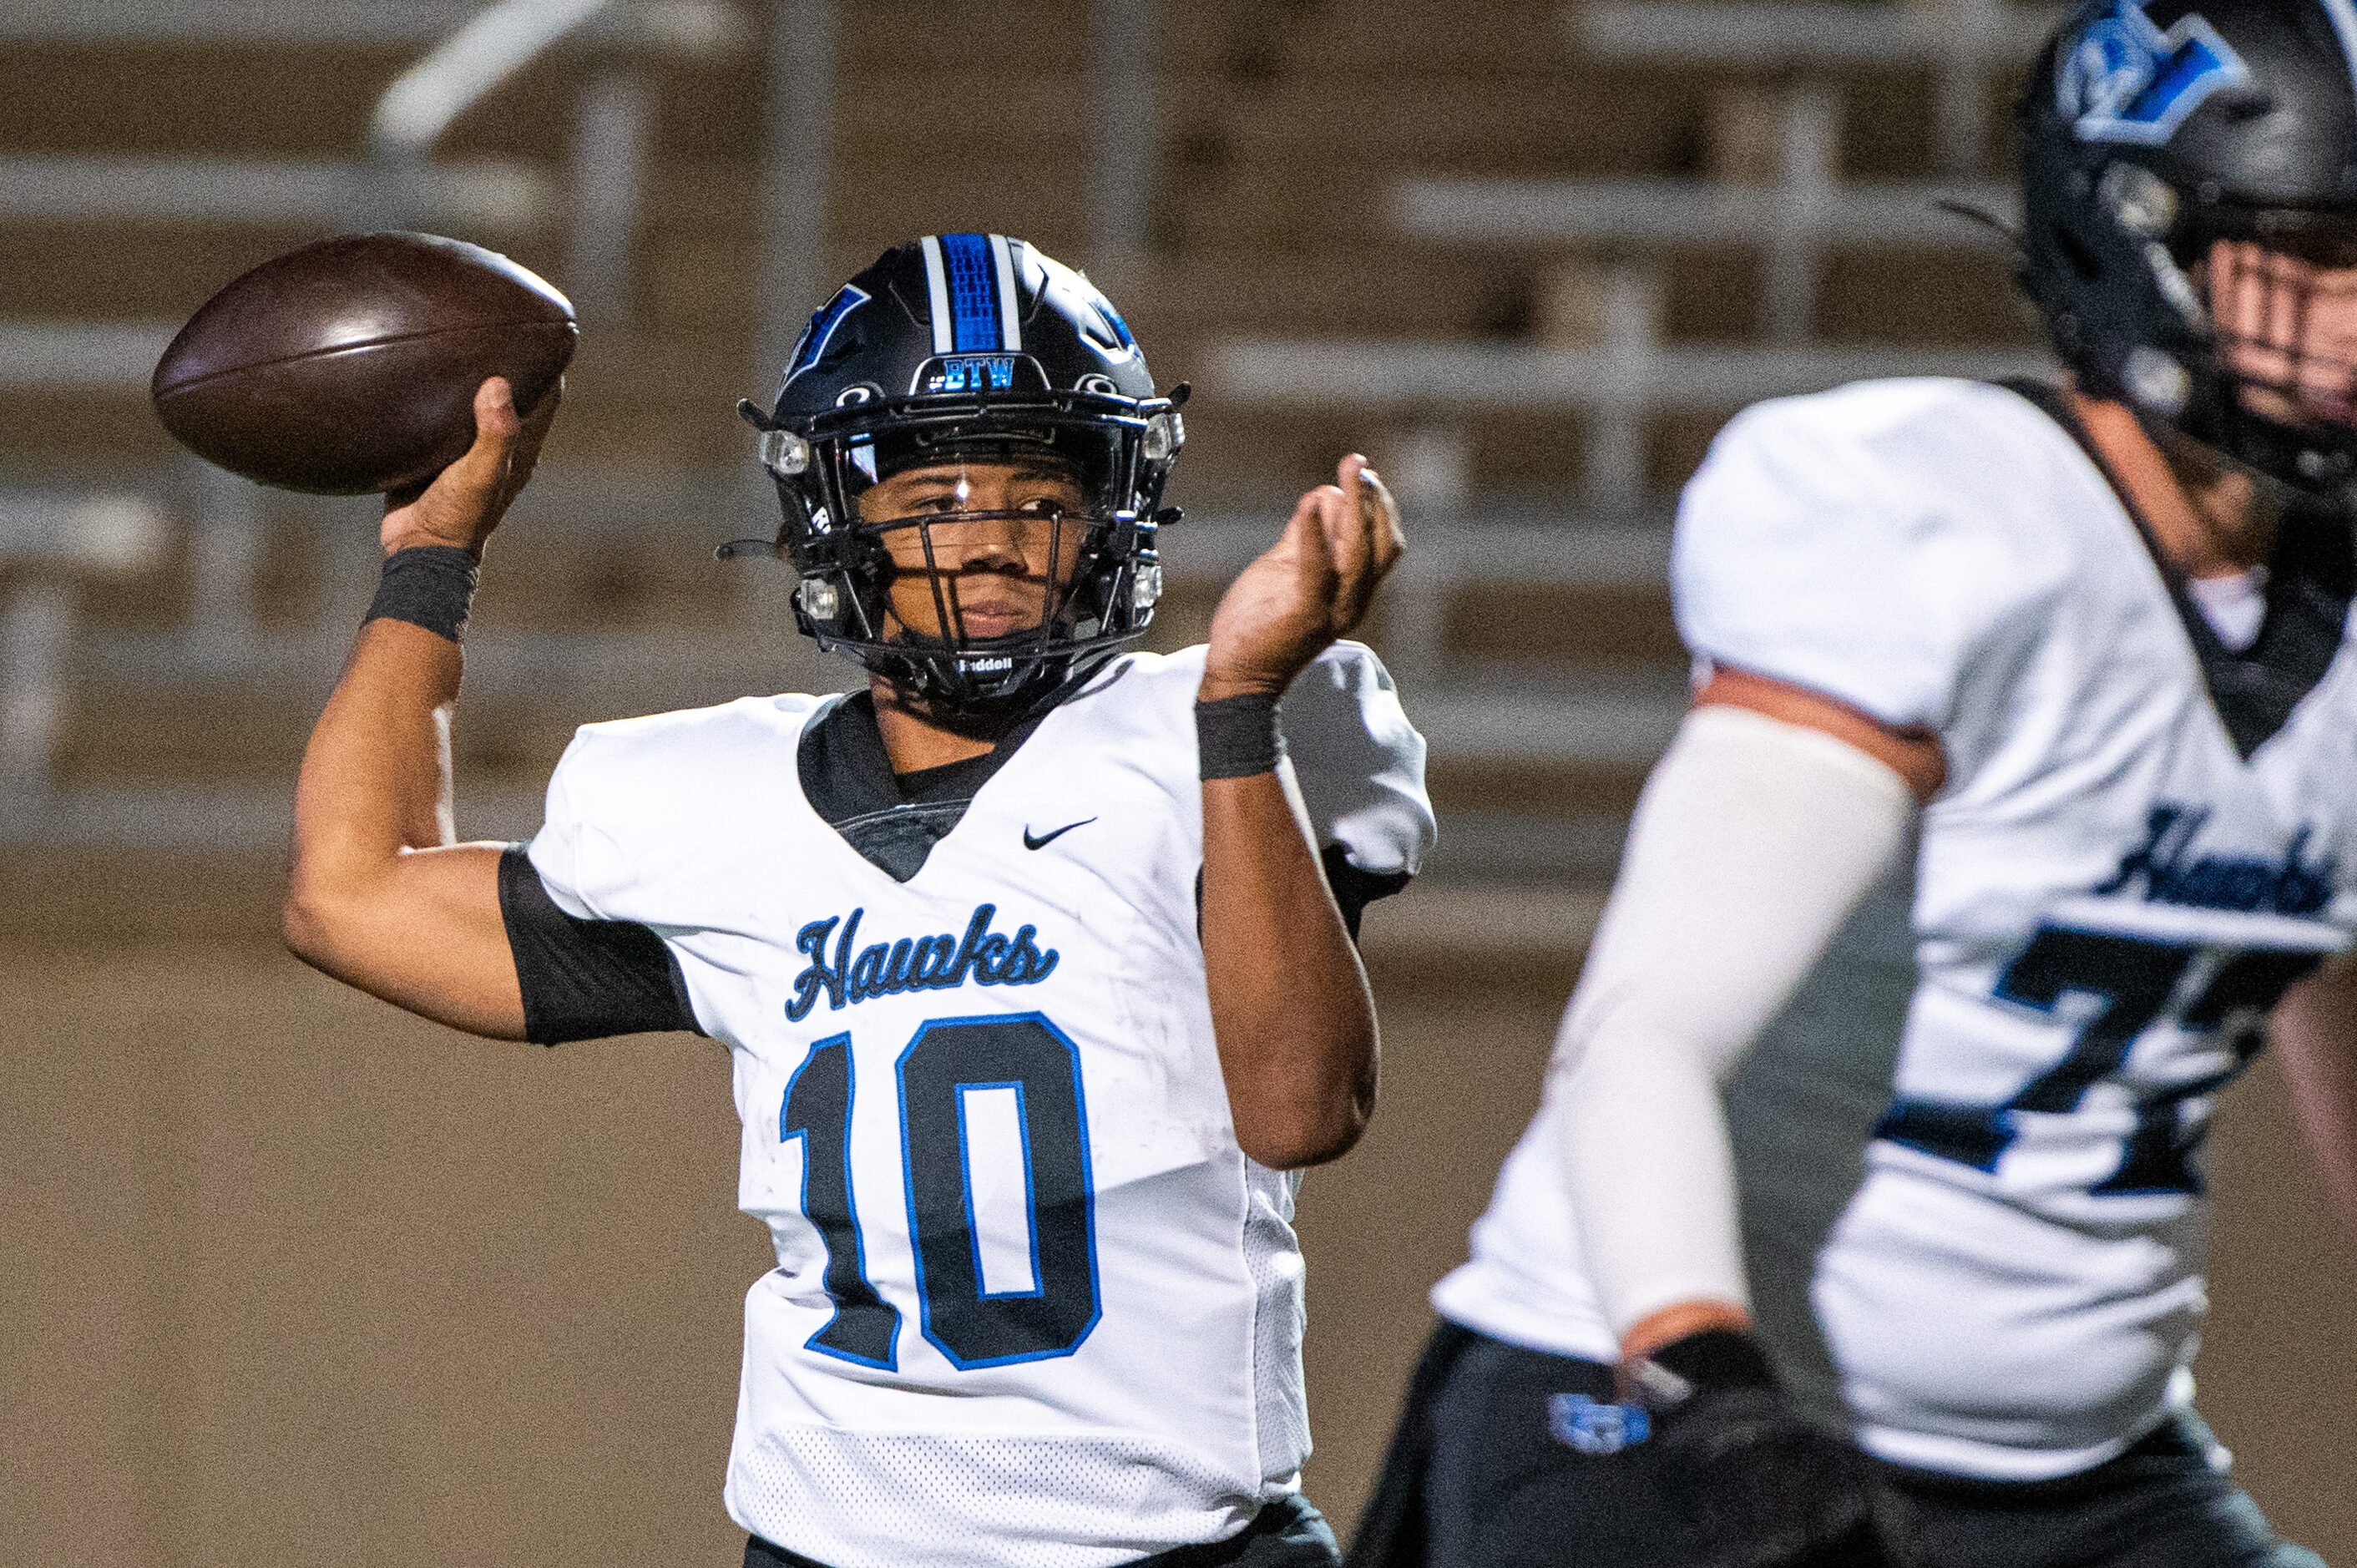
[(2287, 321), (990, 546)]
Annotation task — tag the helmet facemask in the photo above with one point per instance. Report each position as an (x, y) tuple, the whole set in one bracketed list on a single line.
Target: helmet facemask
[(982, 360), (2279, 293), (978, 559), (2230, 325)]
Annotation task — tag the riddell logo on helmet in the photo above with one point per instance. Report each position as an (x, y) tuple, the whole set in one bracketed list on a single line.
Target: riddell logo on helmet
[(2126, 80)]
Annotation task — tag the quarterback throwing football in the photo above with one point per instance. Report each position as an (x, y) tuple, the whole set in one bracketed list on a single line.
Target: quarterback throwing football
[(2019, 792), (1034, 958)]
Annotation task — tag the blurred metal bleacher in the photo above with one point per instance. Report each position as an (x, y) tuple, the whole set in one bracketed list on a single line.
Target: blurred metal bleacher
[(1529, 624), (1963, 42)]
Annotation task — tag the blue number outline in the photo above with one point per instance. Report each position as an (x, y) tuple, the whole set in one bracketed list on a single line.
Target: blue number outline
[(859, 1255), (1030, 1192), (892, 1359), (2156, 1153), (1088, 1197)]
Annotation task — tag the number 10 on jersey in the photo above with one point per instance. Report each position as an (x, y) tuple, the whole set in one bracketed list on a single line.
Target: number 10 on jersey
[(958, 1079)]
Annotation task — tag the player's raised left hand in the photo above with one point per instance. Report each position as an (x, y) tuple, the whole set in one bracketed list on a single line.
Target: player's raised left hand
[(1312, 587)]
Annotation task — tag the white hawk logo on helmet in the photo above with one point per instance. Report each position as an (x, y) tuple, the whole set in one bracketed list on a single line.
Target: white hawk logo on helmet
[(2124, 79)]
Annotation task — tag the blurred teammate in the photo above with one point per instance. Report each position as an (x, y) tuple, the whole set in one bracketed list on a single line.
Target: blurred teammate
[(1032, 982), (2019, 789)]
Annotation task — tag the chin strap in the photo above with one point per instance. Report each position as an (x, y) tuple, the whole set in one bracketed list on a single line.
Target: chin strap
[(930, 673)]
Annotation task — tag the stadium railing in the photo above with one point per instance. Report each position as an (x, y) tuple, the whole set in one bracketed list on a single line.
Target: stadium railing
[(689, 26), (49, 542), (1618, 385), (1964, 42), (1474, 714), (80, 356), (491, 196), (46, 533), (394, 182), (1790, 221)]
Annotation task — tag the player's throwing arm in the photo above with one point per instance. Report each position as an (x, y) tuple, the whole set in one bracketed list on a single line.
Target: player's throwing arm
[(390, 365), (381, 895)]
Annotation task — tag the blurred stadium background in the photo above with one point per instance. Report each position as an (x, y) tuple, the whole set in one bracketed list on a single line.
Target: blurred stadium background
[(286, 1277)]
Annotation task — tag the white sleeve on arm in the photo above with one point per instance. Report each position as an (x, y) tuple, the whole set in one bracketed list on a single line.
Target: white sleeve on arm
[(1359, 762), (578, 861), (1752, 844), (1822, 542)]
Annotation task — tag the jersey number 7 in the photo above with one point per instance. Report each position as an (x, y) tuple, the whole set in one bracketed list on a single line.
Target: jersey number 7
[(947, 1062), (2130, 982)]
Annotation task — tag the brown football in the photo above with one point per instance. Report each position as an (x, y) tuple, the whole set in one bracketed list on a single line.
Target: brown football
[(350, 366)]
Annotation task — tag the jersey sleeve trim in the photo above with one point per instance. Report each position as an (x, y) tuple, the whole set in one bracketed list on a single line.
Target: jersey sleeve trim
[(1354, 889), (587, 979)]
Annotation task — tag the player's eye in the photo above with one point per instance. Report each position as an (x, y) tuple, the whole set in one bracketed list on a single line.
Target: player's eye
[(1043, 506)]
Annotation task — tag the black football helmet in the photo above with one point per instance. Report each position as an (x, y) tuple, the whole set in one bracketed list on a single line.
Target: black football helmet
[(2151, 131), (970, 347)]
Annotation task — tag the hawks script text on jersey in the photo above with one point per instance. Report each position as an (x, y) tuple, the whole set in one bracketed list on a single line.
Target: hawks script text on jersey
[(924, 963), (2171, 875)]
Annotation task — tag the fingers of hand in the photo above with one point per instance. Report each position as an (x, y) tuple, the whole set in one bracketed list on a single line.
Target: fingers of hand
[(1367, 537), (1303, 531), (497, 429), (1347, 532), (1390, 541), (1322, 553), (495, 411), (523, 455), (463, 502), (1301, 547)]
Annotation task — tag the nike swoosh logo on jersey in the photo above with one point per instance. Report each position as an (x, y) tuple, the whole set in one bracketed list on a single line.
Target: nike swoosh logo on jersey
[(1044, 840)]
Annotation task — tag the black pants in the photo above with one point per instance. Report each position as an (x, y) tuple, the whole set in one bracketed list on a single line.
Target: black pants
[(1288, 1533), (1478, 1477)]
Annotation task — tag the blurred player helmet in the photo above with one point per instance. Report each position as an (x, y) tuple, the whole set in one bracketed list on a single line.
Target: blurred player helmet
[(969, 347), (2149, 133)]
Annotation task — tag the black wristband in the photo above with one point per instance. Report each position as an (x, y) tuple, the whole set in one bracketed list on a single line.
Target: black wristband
[(431, 585), (1238, 735)]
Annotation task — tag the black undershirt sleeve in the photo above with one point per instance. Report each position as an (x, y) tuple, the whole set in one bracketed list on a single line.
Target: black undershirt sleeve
[(584, 980), (1354, 889)]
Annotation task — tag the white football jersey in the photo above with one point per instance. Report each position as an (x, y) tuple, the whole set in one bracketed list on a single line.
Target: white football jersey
[(1032, 1304), (1967, 1149)]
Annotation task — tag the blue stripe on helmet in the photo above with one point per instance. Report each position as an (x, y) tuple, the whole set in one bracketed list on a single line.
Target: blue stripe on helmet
[(974, 294)]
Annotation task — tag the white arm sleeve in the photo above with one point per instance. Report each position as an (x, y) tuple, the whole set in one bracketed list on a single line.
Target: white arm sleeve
[(1359, 762), (1752, 844)]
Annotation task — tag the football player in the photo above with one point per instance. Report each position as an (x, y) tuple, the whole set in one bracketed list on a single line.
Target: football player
[(2019, 790), (1034, 958)]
